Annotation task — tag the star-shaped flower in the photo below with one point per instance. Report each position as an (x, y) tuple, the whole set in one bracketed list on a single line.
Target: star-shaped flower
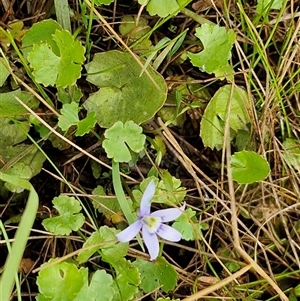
[(152, 224)]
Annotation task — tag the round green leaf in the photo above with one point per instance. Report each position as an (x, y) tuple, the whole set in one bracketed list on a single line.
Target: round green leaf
[(61, 70), (249, 167), (124, 93), (69, 219)]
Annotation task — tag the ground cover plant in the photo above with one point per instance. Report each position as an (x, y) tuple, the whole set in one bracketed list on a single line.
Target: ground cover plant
[(149, 150)]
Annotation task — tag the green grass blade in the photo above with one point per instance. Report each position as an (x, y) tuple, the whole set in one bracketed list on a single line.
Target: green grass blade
[(63, 14), (122, 198), (120, 193), (7, 279), (6, 238)]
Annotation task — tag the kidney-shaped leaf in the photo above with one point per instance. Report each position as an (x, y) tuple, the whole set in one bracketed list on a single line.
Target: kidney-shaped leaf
[(249, 167), (66, 281), (124, 95), (61, 70), (69, 218)]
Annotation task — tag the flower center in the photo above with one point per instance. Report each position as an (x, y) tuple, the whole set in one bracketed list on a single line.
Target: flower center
[(151, 222)]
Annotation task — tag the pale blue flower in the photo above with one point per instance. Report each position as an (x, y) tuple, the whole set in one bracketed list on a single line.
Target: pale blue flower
[(152, 224)]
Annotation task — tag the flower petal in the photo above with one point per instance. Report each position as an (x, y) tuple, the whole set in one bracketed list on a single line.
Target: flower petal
[(168, 233), (169, 214), (130, 232), (146, 199), (151, 242)]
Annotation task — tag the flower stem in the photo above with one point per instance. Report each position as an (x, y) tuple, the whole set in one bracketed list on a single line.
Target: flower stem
[(122, 198)]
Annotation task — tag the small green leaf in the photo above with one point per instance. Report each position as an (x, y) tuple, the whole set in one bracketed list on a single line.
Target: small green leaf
[(163, 8), (214, 117), (69, 116), (10, 107), (292, 152), (249, 167), (66, 281), (231, 265), (96, 171), (105, 240), (70, 218), (85, 125), (101, 288), (156, 274), (122, 137), (69, 94), (159, 145), (125, 94), (217, 43), (188, 225)]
